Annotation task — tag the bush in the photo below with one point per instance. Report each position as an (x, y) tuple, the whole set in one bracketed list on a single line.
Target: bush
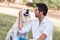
[(1, 0), (30, 4)]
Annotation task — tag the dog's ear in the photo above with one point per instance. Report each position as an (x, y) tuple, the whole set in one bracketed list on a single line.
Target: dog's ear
[(11, 38)]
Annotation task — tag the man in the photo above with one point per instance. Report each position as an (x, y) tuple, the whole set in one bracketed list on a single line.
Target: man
[(42, 27)]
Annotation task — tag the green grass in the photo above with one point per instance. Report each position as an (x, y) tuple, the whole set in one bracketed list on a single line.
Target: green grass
[(56, 34), (6, 22)]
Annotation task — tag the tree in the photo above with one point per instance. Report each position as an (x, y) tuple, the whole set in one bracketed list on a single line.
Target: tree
[(1, 0), (34, 3)]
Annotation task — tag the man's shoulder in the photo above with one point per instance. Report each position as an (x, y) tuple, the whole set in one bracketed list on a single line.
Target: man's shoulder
[(34, 20), (49, 21)]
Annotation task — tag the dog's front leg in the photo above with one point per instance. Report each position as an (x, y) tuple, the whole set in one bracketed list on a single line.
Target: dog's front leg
[(11, 38)]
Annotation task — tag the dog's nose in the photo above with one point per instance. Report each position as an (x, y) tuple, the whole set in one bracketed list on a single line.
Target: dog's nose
[(27, 11)]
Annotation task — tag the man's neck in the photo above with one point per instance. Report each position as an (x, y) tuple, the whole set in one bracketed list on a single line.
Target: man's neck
[(40, 19)]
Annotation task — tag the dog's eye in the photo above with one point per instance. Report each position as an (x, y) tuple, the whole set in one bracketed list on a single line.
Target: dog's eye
[(24, 9)]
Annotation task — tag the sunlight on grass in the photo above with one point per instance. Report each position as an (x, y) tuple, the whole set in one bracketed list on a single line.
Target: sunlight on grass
[(57, 29), (56, 34)]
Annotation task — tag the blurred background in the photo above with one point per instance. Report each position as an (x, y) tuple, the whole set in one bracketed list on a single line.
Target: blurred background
[(9, 11)]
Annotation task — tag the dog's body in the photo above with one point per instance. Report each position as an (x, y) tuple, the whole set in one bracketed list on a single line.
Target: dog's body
[(14, 30)]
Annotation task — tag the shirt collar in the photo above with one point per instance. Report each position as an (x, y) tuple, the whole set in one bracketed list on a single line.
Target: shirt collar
[(44, 20)]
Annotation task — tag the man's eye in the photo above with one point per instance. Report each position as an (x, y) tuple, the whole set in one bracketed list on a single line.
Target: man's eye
[(35, 9)]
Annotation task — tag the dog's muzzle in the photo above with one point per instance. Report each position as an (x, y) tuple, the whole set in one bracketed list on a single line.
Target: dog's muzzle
[(26, 13)]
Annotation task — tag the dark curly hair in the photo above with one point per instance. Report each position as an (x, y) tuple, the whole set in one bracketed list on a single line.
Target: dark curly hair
[(42, 7)]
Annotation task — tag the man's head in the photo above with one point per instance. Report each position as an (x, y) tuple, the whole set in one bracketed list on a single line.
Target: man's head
[(41, 10)]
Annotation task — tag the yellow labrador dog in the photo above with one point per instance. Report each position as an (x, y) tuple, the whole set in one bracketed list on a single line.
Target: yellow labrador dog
[(14, 30)]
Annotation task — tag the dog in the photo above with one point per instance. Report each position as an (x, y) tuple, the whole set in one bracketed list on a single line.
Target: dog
[(14, 30)]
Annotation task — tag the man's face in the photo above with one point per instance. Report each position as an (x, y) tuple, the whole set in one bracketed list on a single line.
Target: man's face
[(36, 12)]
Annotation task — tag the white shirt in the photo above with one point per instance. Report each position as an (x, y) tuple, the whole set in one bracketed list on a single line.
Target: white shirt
[(45, 27)]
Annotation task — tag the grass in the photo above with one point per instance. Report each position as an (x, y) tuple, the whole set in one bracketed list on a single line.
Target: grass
[(56, 34), (6, 22)]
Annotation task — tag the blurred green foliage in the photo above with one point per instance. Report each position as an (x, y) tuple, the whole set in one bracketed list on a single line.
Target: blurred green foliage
[(52, 4), (1, 0)]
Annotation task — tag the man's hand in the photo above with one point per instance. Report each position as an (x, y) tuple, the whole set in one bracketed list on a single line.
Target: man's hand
[(20, 23), (42, 37)]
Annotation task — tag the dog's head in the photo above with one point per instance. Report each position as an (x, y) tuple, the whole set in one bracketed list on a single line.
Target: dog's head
[(25, 12)]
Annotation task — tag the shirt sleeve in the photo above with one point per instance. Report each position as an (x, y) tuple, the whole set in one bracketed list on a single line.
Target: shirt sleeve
[(48, 30), (26, 29)]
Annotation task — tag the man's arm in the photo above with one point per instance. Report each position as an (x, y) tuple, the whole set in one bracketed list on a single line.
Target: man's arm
[(42, 37), (48, 31), (20, 23)]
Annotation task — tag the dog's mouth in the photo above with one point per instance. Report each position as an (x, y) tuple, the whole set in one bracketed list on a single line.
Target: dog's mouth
[(26, 14)]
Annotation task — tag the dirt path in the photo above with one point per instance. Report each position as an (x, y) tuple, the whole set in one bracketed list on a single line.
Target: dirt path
[(55, 21), (54, 13)]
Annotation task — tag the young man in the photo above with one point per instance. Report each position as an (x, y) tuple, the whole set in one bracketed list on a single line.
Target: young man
[(42, 27)]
